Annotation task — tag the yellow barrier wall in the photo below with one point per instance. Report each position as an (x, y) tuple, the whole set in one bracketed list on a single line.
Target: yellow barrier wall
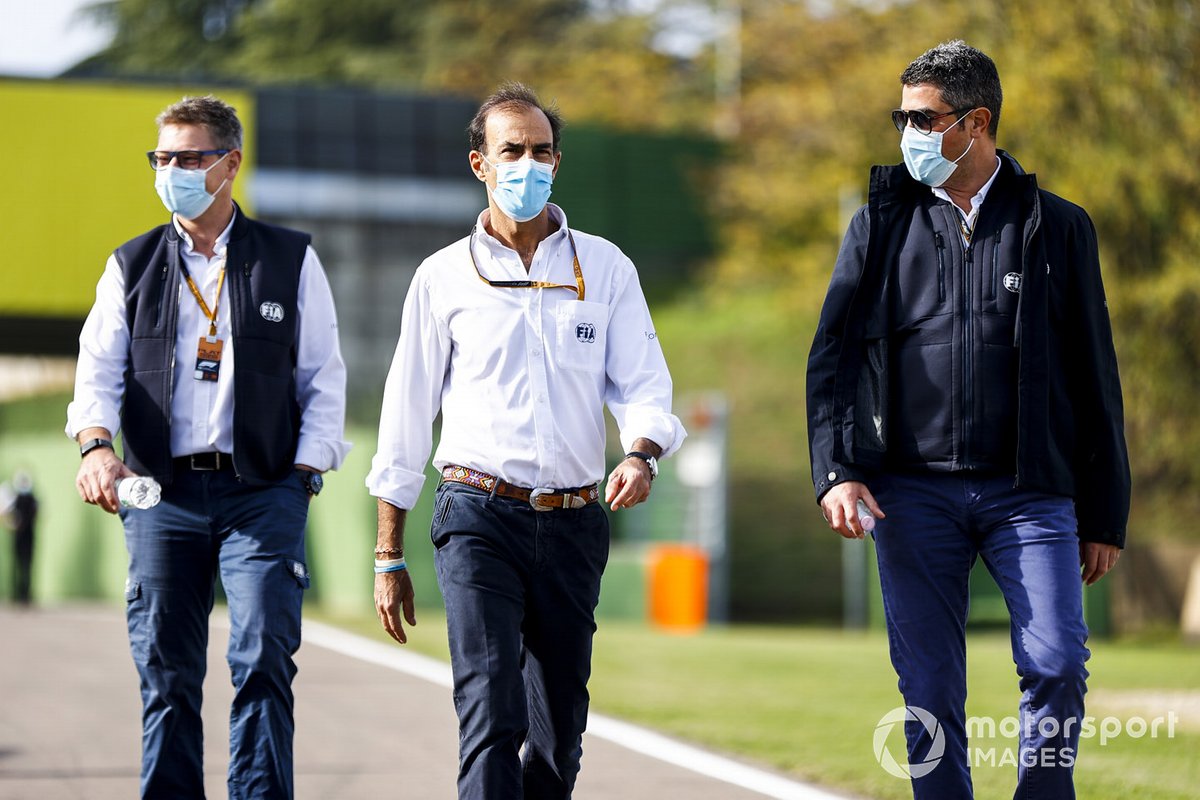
[(77, 184)]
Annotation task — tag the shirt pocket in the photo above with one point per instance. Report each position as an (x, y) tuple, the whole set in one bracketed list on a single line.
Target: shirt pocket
[(582, 335)]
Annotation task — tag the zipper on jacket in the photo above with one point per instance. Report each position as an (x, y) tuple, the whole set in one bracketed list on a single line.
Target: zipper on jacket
[(968, 360), (940, 243), (995, 266), (1027, 239)]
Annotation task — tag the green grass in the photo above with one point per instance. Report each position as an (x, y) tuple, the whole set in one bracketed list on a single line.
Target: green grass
[(807, 700)]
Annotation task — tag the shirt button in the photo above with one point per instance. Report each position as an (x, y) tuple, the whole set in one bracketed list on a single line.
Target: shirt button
[(537, 352), (832, 476)]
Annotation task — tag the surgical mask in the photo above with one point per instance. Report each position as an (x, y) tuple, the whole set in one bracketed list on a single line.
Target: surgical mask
[(522, 187), (923, 155), (183, 191)]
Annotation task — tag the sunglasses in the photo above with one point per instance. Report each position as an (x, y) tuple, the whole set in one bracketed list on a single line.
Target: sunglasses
[(920, 120)]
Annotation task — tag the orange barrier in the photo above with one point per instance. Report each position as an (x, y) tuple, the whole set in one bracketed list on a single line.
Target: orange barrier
[(678, 577)]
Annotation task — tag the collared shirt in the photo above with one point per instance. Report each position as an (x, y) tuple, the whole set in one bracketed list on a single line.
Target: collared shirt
[(202, 411), (521, 376), (976, 201)]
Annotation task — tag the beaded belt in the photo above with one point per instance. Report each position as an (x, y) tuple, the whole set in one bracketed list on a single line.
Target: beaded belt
[(539, 499)]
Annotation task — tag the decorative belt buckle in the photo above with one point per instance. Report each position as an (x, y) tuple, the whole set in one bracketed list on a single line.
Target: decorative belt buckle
[(536, 495)]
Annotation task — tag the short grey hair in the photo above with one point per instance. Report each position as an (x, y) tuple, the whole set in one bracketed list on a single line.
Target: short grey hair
[(217, 116)]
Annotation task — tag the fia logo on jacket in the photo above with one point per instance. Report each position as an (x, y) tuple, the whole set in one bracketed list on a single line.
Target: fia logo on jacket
[(1012, 282), (271, 312)]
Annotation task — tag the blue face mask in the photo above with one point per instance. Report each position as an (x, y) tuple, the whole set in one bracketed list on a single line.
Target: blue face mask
[(183, 191), (923, 155), (522, 187)]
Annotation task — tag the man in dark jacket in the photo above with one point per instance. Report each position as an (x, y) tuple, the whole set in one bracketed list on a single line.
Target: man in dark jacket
[(963, 388)]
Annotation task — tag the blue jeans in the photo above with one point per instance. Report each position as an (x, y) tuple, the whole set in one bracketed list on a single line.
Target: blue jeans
[(521, 588), (210, 523), (936, 525)]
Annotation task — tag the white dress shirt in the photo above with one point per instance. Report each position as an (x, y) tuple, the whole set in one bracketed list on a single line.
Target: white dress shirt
[(202, 411), (977, 199), (521, 376)]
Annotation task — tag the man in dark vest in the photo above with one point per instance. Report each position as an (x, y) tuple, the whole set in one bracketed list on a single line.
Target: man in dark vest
[(213, 349)]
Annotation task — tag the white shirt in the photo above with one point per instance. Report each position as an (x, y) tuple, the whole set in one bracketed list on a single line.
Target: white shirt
[(521, 376), (202, 411), (976, 201)]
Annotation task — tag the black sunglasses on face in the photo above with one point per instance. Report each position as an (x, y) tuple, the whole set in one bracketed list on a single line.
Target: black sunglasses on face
[(920, 120), (187, 159)]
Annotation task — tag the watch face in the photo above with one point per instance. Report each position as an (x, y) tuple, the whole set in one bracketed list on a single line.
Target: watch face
[(315, 482)]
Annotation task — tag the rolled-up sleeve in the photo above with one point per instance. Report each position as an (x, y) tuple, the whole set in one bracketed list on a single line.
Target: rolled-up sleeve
[(320, 372), (638, 389), (411, 400), (103, 357)]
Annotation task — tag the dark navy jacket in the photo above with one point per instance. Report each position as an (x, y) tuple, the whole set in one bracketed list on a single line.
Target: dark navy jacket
[(1065, 394), (262, 267)]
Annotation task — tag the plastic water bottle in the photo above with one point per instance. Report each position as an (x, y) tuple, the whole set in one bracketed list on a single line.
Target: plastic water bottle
[(139, 492), (865, 520)]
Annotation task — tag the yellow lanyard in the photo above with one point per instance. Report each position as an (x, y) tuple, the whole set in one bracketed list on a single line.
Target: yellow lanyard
[(578, 288), (212, 315)]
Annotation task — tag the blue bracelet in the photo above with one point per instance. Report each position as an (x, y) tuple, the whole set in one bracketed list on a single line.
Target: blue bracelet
[(391, 568)]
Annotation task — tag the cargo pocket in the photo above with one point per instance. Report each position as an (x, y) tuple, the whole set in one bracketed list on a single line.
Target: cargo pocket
[(135, 616)]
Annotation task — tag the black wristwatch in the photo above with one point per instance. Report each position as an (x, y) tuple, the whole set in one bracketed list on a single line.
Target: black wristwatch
[(92, 444), (650, 460), (313, 482)]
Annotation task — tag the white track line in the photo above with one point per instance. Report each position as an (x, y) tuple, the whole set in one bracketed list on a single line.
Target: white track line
[(640, 740)]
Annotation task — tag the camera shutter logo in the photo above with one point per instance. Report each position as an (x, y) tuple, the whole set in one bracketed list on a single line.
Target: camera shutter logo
[(901, 768), (271, 312), (585, 332)]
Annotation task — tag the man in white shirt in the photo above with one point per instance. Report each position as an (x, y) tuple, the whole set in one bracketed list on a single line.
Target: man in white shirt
[(519, 335), (238, 446)]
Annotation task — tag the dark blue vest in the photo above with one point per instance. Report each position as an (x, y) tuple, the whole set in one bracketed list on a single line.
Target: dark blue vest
[(263, 275)]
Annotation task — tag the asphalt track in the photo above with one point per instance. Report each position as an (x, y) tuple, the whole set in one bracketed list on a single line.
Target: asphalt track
[(372, 721)]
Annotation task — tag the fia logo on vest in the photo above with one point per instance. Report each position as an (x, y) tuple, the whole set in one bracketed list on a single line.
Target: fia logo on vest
[(271, 312), (1012, 282)]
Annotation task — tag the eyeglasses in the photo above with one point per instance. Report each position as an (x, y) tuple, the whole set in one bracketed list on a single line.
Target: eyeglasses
[(920, 120), (578, 288), (187, 159)]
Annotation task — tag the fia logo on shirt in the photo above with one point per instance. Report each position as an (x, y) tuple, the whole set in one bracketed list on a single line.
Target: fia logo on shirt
[(271, 312), (585, 332)]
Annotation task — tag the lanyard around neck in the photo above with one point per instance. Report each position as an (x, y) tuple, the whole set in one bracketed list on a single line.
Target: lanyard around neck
[(210, 314), (578, 288)]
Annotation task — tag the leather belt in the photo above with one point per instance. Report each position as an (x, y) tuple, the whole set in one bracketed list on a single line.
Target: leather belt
[(205, 462), (538, 499)]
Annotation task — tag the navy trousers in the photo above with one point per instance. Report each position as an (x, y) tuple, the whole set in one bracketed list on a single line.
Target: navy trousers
[(521, 588), (936, 526), (210, 523)]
